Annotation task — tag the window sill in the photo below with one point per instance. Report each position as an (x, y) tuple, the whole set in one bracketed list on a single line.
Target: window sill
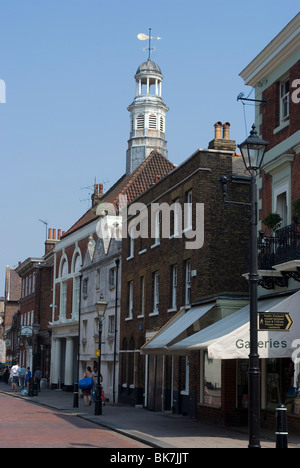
[(156, 312), (283, 124)]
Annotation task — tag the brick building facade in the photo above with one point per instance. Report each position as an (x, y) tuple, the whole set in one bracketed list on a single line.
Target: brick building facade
[(275, 76), (36, 274), (164, 281), (12, 297)]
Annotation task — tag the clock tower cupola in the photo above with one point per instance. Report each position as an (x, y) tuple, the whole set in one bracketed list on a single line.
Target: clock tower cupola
[(147, 116)]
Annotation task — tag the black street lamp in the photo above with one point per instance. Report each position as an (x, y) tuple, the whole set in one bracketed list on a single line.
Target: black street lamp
[(253, 151), (101, 306)]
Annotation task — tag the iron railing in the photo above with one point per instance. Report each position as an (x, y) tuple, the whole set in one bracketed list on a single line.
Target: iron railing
[(283, 247)]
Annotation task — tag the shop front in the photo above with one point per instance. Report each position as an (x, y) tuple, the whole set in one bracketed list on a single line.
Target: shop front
[(223, 362)]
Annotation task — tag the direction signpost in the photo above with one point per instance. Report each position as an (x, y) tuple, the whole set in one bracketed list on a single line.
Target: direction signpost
[(277, 321)]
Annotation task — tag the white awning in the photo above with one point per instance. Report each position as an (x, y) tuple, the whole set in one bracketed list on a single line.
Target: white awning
[(229, 338), (161, 341)]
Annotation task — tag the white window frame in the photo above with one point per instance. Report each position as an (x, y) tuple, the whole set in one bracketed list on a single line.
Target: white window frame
[(284, 100), (188, 276), (155, 293), (174, 286), (188, 211), (280, 189), (130, 301), (142, 297), (63, 299)]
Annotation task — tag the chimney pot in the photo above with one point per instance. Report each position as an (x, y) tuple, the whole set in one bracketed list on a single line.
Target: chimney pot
[(218, 131), (226, 131), (49, 233)]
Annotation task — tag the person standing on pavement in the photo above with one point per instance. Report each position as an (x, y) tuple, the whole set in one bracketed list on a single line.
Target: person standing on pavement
[(38, 376), (22, 377), (28, 376), (15, 372)]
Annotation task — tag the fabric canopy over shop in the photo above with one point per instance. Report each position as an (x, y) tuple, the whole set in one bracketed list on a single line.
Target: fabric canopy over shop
[(178, 325), (229, 338)]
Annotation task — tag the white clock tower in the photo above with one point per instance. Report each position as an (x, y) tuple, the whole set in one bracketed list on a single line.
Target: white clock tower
[(147, 116)]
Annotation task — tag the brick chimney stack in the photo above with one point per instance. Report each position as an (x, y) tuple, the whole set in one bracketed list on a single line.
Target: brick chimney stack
[(98, 194), (222, 138), (53, 238)]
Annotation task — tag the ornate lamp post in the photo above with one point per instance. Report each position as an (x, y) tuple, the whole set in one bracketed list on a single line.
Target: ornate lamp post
[(101, 306), (253, 151)]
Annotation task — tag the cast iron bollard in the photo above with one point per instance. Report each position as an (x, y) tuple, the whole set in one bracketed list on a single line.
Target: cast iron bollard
[(75, 396), (33, 388), (281, 433)]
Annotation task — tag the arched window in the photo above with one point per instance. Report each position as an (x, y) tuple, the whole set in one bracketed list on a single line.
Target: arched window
[(64, 269)]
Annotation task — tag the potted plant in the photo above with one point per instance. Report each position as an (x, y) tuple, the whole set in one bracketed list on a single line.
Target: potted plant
[(273, 221)]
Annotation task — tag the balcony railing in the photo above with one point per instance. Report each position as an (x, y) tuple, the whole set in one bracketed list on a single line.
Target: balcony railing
[(283, 247)]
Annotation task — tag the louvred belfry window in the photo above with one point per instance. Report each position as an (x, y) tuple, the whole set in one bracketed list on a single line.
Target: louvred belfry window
[(140, 122), (152, 121)]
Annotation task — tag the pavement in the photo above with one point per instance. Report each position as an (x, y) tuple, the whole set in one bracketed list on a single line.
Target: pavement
[(155, 429)]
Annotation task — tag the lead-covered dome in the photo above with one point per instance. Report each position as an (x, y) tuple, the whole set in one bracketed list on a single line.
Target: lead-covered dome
[(148, 67)]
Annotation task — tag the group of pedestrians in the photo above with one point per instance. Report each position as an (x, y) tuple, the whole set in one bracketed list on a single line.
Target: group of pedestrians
[(20, 376)]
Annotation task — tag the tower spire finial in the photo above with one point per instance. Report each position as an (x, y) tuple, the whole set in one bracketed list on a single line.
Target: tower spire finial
[(144, 37), (149, 43)]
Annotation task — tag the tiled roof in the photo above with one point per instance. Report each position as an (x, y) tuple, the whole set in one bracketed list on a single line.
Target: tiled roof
[(132, 186)]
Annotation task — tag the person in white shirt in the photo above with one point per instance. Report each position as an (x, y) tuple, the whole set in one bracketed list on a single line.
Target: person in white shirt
[(15, 373)]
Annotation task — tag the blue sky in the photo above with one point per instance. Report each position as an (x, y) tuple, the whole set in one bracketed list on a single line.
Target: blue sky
[(69, 69)]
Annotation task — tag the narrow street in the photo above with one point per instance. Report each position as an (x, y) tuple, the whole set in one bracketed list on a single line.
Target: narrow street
[(24, 425)]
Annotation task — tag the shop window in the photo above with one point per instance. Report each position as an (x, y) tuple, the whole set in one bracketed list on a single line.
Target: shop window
[(212, 381), (279, 379), (242, 383)]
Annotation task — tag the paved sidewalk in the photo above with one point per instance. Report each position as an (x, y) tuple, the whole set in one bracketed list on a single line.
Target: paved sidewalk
[(159, 430)]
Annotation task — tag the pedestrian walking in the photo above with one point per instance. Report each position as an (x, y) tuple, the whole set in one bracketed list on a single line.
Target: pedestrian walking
[(22, 377), (38, 376), (87, 393), (28, 376), (15, 373)]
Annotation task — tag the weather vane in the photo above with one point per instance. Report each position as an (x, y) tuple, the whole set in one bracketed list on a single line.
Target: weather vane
[(144, 37)]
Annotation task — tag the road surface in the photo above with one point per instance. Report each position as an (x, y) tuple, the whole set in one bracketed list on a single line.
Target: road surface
[(26, 425)]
